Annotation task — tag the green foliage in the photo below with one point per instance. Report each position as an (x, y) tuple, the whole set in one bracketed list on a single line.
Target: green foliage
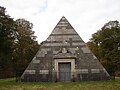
[(6, 39), (25, 46), (10, 84), (105, 43), (18, 44)]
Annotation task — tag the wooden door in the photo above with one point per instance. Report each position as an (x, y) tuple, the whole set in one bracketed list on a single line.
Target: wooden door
[(64, 72)]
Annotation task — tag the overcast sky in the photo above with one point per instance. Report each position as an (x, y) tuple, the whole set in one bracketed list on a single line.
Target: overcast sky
[(86, 16)]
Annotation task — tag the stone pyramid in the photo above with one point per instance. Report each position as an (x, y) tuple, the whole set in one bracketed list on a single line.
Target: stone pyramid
[(64, 56)]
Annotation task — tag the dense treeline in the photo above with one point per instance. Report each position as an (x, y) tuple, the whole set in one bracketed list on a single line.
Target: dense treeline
[(18, 44), (105, 44)]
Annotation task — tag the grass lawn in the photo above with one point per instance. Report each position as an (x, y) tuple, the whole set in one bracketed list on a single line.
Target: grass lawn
[(10, 84)]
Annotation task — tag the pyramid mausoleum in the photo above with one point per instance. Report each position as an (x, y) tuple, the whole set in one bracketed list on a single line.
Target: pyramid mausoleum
[(64, 56)]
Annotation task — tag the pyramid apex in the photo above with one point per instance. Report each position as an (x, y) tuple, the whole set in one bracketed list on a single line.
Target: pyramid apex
[(63, 17)]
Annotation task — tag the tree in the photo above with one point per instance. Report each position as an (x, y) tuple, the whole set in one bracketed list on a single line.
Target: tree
[(25, 46), (105, 43), (18, 44), (7, 31)]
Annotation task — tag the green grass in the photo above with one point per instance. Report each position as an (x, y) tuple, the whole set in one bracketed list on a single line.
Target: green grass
[(10, 84)]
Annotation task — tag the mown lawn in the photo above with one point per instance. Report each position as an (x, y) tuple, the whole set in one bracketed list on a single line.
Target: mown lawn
[(10, 84)]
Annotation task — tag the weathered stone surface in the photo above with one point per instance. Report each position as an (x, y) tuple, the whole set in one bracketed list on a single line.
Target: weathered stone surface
[(78, 44), (56, 44), (43, 71), (36, 61), (95, 70), (94, 57), (63, 37), (63, 31), (82, 71), (29, 71), (64, 46), (85, 50)]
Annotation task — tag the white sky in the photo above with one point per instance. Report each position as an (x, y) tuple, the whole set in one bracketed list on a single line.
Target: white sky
[(86, 16)]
